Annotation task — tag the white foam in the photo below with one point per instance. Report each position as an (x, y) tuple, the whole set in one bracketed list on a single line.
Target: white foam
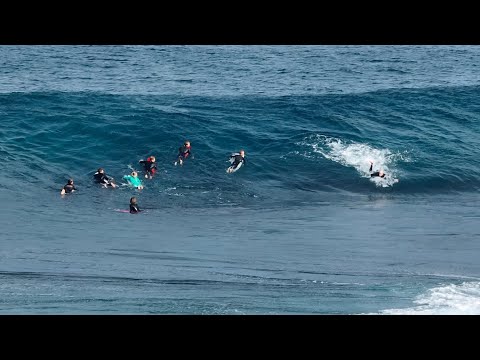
[(462, 299), (358, 156)]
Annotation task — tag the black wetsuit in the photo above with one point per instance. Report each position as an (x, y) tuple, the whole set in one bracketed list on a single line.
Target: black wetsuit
[(69, 188), (376, 173), (150, 167), (183, 152), (237, 159), (134, 209), (102, 178)]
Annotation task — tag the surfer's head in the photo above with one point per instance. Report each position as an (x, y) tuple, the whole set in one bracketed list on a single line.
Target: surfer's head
[(70, 181), (381, 173), (100, 170), (242, 152), (134, 174), (133, 200), (187, 144), (152, 158)]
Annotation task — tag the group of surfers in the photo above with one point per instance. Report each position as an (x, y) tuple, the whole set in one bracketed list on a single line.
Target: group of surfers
[(150, 168)]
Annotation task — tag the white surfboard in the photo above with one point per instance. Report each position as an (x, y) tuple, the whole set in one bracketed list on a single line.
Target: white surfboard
[(231, 169)]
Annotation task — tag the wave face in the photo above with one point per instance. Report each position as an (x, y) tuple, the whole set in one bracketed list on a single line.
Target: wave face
[(301, 228), (296, 146)]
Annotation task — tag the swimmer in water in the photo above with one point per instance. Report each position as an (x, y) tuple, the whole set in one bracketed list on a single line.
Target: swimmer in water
[(68, 188)]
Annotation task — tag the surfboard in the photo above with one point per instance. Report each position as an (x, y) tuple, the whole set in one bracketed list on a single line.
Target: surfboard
[(231, 169), (122, 210)]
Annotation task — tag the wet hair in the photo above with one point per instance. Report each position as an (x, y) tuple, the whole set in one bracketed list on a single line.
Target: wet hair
[(100, 170), (134, 172), (133, 200), (70, 181), (186, 142)]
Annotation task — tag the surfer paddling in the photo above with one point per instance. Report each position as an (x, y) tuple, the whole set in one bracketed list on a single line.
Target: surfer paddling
[(101, 178), (134, 180), (184, 152), (149, 166), (237, 160)]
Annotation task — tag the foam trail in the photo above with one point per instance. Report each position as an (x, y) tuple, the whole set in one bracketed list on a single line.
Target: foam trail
[(462, 299), (358, 156)]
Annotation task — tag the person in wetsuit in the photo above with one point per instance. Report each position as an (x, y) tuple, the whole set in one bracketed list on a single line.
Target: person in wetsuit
[(101, 178), (134, 180), (68, 188), (149, 166), (376, 173), (236, 159), (184, 152), (134, 206)]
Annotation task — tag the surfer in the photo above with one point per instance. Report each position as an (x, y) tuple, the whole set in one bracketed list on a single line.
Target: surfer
[(237, 160), (68, 188), (134, 206), (102, 178), (376, 173), (183, 152), (149, 166), (134, 180)]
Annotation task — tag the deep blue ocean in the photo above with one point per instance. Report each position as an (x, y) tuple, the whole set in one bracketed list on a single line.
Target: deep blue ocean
[(302, 228)]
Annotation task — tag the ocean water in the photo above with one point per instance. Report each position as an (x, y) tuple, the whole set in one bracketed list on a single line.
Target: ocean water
[(300, 229)]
